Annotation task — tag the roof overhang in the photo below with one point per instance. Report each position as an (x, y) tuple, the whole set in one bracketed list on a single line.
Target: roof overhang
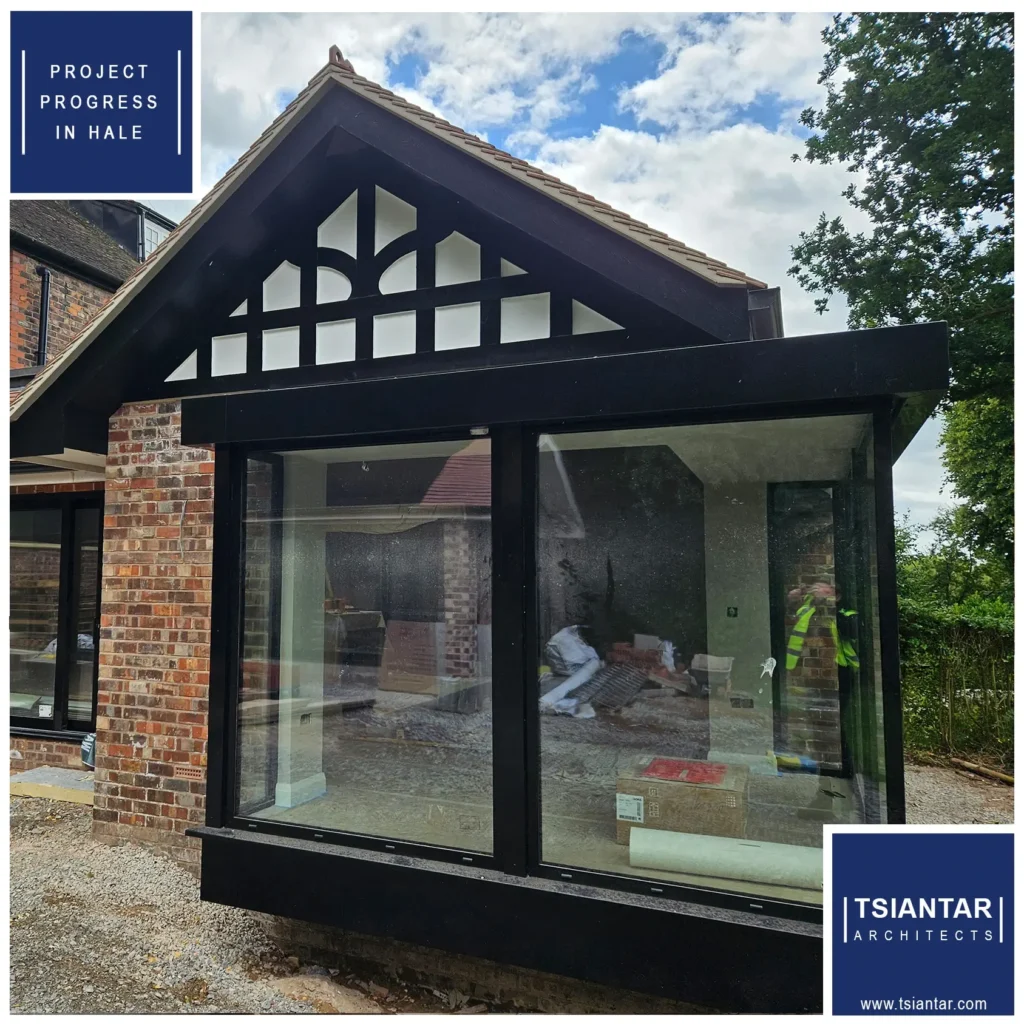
[(829, 373)]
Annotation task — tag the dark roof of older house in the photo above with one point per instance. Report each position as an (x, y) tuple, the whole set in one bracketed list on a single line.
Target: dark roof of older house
[(51, 223)]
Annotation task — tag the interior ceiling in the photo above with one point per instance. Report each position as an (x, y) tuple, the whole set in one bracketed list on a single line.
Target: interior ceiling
[(769, 451)]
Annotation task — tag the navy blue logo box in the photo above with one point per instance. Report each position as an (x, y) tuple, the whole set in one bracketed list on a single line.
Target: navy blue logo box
[(922, 922), (101, 102)]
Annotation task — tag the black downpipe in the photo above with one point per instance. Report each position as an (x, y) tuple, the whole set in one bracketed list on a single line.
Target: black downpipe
[(44, 314)]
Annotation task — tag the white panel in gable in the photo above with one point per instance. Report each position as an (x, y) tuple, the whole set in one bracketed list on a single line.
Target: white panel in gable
[(281, 348), (227, 354), (188, 370), (394, 334), (456, 260), (525, 317), (336, 341), (586, 320), (394, 218), (281, 289), (510, 269), (332, 285), (400, 276), (339, 230), (242, 309), (457, 326)]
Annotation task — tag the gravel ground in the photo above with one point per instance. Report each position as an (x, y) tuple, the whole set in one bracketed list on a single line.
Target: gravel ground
[(947, 796), (99, 929)]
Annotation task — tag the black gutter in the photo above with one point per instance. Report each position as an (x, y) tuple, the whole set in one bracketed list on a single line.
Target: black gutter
[(62, 261)]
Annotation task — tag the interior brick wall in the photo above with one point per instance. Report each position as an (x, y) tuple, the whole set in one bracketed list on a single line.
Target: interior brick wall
[(72, 304), (151, 725)]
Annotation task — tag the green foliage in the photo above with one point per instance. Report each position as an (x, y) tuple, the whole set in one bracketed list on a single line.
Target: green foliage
[(956, 646), (978, 456), (920, 107)]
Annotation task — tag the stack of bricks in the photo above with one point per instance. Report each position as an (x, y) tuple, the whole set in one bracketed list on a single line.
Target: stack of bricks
[(72, 305), (152, 707)]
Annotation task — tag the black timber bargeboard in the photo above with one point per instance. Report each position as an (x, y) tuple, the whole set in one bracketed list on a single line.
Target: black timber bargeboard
[(701, 958), (852, 365)]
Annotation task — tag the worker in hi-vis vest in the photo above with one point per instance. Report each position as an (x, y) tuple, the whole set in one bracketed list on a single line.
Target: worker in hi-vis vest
[(846, 652)]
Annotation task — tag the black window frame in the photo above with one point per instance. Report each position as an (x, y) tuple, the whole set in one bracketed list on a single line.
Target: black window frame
[(515, 690), (62, 726)]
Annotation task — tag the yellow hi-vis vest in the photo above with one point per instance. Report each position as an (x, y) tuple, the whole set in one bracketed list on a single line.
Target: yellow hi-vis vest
[(846, 653)]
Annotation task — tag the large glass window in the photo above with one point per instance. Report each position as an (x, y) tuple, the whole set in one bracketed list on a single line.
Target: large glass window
[(54, 616), (365, 675), (709, 675)]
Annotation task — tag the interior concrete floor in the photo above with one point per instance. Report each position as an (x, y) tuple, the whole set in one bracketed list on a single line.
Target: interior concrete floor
[(405, 770)]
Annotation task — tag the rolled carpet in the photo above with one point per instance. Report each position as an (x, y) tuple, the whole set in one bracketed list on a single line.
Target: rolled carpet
[(722, 857)]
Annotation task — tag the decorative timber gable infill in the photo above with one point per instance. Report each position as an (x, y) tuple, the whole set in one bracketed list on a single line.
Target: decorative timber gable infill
[(361, 237), (378, 278)]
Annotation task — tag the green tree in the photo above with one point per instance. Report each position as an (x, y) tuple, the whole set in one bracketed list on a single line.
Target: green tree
[(978, 456), (920, 108)]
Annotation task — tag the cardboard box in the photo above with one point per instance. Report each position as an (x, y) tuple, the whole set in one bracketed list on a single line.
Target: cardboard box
[(702, 797)]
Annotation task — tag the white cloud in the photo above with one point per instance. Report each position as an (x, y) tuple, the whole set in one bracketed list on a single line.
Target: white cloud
[(717, 66)]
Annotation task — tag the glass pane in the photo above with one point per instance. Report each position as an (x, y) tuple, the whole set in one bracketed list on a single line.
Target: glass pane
[(708, 663), (365, 701), (35, 594), (85, 612)]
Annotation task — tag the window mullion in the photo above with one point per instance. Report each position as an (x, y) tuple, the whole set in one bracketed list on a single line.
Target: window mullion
[(509, 510)]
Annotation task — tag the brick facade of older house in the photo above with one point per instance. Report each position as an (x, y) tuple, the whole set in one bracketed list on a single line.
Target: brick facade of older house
[(151, 724), (72, 304)]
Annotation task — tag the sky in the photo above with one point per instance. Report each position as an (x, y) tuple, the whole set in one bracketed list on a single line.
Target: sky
[(688, 122)]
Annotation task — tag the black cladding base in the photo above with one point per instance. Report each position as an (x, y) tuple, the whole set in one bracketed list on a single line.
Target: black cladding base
[(699, 955)]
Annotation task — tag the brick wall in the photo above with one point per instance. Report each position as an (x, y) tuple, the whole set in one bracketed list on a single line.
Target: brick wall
[(72, 304), (29, 753), (154, 653), (82, 485)]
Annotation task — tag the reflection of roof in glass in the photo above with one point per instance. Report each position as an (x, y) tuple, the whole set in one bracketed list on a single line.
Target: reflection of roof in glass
[(465, 478)]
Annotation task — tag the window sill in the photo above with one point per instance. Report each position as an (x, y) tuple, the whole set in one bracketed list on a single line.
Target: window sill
[(32, 733)]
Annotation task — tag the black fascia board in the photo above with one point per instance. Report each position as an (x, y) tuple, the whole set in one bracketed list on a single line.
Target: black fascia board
[(63, 262), (721, 311), (827, 370), (747, 961)]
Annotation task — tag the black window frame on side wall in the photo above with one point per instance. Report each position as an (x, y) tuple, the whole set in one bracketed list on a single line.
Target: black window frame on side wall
[(62, 726), (515, 736)]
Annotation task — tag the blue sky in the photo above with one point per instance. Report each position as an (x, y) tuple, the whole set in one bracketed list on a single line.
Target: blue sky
[(687, 122)]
